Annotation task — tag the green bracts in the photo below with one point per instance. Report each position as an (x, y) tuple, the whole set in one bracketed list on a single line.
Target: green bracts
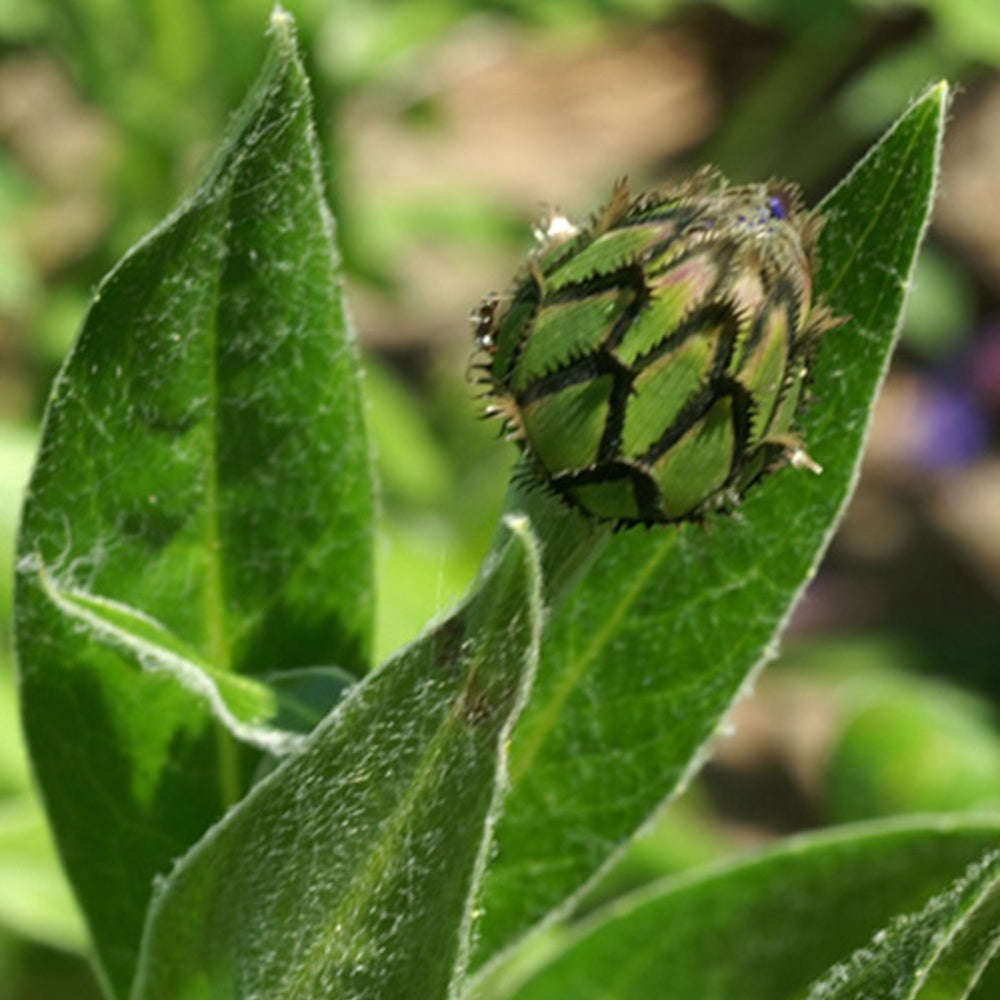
[(652, 363)]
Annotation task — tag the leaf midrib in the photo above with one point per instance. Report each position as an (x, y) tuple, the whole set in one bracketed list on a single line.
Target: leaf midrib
[(218, 640), (360, 889), (877, 216), (527, 749)]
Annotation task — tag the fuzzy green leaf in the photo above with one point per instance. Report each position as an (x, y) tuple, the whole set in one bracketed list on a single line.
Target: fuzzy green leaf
[(350, 872), (762, 929), (939, 953), (199, 517), (642, 661)]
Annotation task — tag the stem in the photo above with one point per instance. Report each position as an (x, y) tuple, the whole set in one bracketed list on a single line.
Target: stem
[(227, 751), (569, 541)]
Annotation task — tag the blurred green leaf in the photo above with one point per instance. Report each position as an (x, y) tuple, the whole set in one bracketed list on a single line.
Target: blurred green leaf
[(18, 281), (14, 775), (434, 528), (641, 663), (942, 311), (17, 451), (874, 91), (413, 467), (138, 60), (972, 26), (21, 19), (35, 900), (199, 517), (936, 954), (912, 745), (351, 871), (761, 929), (423, 566)]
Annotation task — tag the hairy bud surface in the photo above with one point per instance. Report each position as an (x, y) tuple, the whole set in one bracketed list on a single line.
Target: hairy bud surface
[(651, 364)]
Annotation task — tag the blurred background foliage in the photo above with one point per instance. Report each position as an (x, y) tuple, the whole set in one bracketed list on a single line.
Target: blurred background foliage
[(447, 127)]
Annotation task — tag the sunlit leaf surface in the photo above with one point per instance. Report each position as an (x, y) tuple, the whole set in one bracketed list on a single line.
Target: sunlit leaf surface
[(199, 516)]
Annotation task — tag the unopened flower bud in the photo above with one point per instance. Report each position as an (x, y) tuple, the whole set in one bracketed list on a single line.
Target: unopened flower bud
[(651, 364)]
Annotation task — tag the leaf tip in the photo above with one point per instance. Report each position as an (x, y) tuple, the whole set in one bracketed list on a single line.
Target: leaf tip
[(519, 527), (942, 90), (518, 524), (938, 96), (281, 22)]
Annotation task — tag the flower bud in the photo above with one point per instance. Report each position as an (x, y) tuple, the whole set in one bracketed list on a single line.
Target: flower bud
[(651, 365)]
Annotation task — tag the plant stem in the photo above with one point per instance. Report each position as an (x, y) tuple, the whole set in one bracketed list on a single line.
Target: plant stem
[(569, 541)]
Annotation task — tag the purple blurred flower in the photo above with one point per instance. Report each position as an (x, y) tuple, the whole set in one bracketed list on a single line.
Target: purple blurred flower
[(952, 429)]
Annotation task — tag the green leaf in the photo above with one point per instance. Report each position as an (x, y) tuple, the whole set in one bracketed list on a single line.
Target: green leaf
[(936, 954), (199, 517), (350, 872), (761, 929), (642, 661)]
